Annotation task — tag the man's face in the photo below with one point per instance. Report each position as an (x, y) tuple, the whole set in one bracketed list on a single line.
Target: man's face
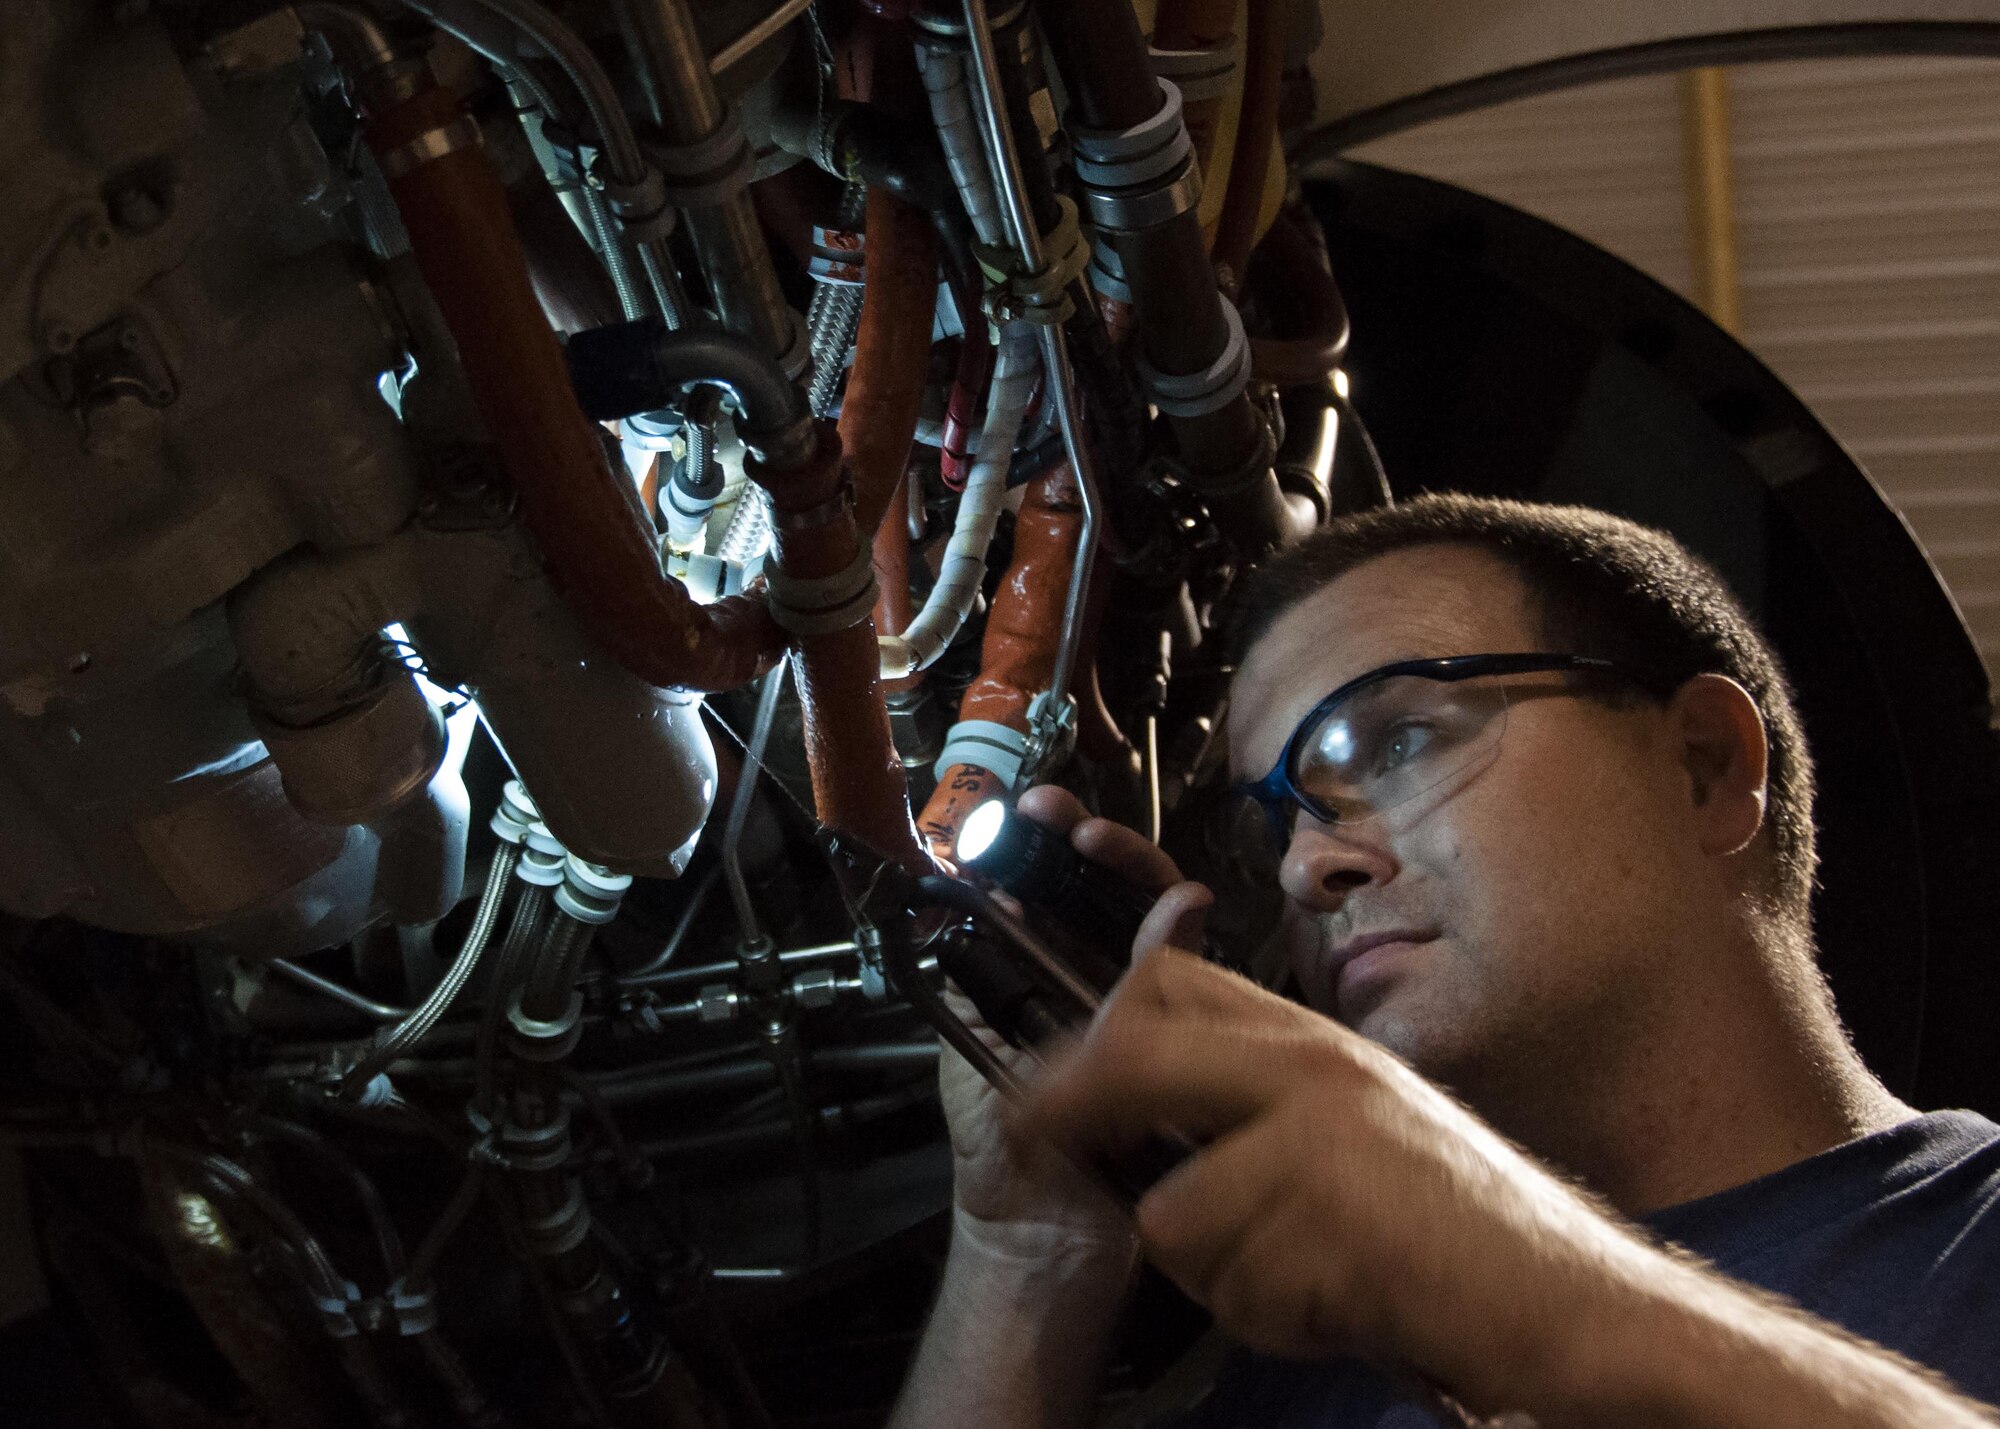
[(1533, 901)]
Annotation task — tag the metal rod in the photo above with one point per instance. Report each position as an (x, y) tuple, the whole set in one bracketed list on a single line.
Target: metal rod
[(1061, 375), (739, 807), (1711, 195), (723, 971), (1153, 820), (740, 47), (327, 987)]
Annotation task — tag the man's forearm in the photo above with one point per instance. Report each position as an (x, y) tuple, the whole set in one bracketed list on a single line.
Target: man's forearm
[(1696, 1350), (1019, 1336)]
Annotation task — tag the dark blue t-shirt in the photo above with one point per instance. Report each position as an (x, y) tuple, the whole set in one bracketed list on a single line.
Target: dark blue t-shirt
[(1895, 1236)]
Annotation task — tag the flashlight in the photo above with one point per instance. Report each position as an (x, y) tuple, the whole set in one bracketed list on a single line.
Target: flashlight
[(1041, 868)]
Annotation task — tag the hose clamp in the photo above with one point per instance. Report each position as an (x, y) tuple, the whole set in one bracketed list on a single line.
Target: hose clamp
[(1041, 297), (562, 1229), (1200, 74), (1196, 394), (336, 1315), (824, 604), (536, 1040), (537, 1148), (430, 146), (997, 748), (642, 206), (708, 171), (515, 814), (839, 257), (1147, 207), (413, 1308), (1128, 158)]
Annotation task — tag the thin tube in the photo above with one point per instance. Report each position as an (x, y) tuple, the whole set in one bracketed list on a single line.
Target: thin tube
[(623, 157), (697, 899), (327, 987), (1006, 161), (714, 972), (740, 47), (739, 807), (388, 1241), (1153, 777), (610, 241)]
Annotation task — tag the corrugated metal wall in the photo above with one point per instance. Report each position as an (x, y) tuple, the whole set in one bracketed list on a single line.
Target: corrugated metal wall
[(1868, 214)]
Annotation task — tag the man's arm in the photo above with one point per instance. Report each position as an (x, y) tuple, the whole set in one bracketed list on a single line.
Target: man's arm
[(1340, 1204), (1021, 1331), (1041, 1258)]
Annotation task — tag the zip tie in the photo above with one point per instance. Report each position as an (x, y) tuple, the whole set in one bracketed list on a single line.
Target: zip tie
[(822, 605), (1196, 394)]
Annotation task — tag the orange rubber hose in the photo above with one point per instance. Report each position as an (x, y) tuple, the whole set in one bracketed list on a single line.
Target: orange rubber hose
[(857, 776), (586, 518), (892, 351), (1018, 653)]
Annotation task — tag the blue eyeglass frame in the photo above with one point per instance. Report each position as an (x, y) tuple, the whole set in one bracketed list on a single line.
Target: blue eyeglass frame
[(1279, 789)]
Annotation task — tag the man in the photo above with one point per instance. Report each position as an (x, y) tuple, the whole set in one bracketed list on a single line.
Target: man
[(1573, 889)]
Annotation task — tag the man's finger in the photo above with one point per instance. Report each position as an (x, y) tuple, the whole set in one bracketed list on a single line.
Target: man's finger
[(1052, 806), (1127, 852), (1139, 1071), (1178, 920)]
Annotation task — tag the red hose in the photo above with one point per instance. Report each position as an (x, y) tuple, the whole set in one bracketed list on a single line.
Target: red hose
[(586, 519), (892, 351)]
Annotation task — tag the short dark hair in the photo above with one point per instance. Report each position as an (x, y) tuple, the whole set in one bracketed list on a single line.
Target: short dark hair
[(1601, 585)]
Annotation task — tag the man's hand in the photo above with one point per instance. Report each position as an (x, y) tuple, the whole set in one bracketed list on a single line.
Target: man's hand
[(1021, 1193), (1344, 1205)]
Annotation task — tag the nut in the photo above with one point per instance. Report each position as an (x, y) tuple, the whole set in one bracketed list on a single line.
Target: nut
[(817, 988)]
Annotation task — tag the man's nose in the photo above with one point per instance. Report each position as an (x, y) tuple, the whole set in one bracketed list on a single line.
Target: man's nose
[(1323, 865)]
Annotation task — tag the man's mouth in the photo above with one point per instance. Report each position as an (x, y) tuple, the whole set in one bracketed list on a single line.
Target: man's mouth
[(1353, 959)]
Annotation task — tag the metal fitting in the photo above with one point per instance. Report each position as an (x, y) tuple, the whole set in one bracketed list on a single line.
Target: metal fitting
[(818, 988), (997, 748), (717, 1002), (537, 1040), (562, 1229), (590, 893), (515, 813), (536, 1148), (412, 1309), (839, 257), (430, 146), (1127, 158)]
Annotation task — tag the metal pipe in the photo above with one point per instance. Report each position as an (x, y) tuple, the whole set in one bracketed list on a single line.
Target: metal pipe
[(748, 925), (681, 94), (1061, 385), (604, 228), (624, 160), (723, 971)]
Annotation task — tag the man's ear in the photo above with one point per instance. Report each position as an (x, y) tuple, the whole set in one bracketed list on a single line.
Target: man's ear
[(1727, 759)]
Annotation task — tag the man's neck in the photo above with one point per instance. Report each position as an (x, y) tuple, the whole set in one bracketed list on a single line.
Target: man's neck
[(1742, 1075)]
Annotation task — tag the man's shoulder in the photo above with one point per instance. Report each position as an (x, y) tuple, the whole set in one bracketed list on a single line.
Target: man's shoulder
[(1895, 1236)]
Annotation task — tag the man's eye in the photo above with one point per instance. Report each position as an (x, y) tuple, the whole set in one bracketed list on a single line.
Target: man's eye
[(1402, 744)]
